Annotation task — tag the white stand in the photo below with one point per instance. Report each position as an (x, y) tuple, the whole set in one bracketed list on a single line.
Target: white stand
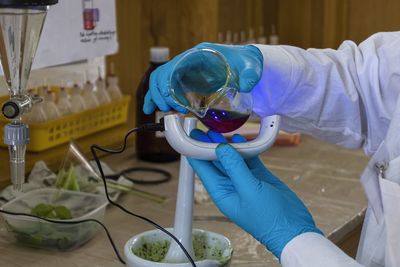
[(184, 207)]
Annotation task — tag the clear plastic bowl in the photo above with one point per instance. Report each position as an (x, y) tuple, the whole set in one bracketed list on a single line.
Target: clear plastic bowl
[(42, 234)]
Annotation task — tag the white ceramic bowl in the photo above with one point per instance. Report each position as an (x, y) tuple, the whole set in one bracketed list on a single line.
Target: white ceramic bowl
[(212, 239)]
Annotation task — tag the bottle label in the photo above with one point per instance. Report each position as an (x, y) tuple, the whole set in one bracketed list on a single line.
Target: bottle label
[(158, 117)]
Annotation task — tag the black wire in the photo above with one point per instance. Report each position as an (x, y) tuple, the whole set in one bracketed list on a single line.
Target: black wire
[(146, 127), (166, 176), (71, 222)]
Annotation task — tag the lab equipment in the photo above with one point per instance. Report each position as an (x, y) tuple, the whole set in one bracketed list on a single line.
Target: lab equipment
[(178, 136), (89, 95), (21, 24), (174, 255), (251, 37), (228, 38), (113, 86), (273, 37), (64, 104), (149, 248), (30, 231), (152, 146), (103, 97), (262, 39), (37, 114), (245, 62), (77, 102), (50, 107), (203, 82), (196, 81)]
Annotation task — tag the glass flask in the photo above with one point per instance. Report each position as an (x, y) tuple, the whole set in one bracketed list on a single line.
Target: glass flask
[(203, 82)]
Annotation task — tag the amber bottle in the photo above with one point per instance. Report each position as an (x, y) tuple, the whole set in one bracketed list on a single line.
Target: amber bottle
[(152, 146)]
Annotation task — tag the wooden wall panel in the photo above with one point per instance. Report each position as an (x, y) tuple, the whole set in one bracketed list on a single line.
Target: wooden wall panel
[(327, 23), (127, 60), (334, 23), (198, 22), (295, 22), (366, 17)]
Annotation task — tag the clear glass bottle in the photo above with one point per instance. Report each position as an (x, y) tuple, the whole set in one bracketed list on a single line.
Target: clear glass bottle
[(102, 95), (37, 114), (113, 85), (151, 146), (64, 103), (77, 103), (88, 94), (50, 107)]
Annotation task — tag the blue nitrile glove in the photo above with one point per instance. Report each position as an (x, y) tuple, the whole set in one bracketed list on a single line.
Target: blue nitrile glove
[(245, 60), (251, 196)]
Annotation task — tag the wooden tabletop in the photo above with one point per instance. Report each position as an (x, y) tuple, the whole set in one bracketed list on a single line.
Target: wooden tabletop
[(324, 176)]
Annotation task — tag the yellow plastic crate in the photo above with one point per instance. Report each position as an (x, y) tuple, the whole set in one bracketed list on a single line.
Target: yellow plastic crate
[(74, 126)]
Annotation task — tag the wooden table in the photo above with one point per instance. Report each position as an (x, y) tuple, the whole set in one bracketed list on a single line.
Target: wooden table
[(324, 176)]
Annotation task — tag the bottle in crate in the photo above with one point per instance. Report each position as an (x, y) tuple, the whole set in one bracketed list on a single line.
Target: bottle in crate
[(103, 96), (64, 104), (77, 104), (49, 106), (88, 94), (152, 146), (113, 86), (37, 114)]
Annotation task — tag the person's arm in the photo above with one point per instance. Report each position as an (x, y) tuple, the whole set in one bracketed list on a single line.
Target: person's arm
[(345, 96), (314, 250), (260, 203)]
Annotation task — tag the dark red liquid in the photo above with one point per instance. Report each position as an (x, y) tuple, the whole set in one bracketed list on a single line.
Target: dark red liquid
[(223, 121)]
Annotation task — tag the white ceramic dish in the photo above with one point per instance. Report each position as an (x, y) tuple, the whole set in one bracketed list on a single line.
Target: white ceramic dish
[(212, 240)]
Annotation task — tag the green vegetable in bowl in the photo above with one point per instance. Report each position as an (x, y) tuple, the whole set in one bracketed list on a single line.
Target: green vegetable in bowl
[(68, 179), (51, 212)]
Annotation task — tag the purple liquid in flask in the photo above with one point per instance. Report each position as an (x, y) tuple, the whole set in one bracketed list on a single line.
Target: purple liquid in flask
[(222, 121)]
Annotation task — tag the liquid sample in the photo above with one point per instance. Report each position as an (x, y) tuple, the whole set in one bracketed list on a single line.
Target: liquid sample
[(19, 38), (222, 121)]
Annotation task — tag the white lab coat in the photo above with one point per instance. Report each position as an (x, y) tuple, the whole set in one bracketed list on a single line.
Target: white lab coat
[(348, 97)]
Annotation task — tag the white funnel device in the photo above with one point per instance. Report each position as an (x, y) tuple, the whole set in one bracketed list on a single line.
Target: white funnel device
[(21, 23)]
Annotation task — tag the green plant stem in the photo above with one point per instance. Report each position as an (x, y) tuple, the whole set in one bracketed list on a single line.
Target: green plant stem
[(150, 196)]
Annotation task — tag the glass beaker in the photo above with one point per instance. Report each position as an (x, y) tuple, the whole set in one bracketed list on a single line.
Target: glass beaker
[(203, 82)]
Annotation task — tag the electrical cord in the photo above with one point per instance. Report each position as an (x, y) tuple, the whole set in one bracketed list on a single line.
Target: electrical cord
[(166, 176), (93, 148)]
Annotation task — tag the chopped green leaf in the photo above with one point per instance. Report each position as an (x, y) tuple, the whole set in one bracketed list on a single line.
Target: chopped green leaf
[(51, 212), (62, 212)]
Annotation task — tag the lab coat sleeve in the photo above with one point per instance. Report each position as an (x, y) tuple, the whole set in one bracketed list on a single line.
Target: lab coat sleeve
[(344, 96), (314, 250)]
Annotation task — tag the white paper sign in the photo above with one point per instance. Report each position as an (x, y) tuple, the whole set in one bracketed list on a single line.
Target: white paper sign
[(77, 30)]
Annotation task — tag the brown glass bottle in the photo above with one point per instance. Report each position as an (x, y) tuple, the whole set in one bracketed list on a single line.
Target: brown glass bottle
[(152, 146)]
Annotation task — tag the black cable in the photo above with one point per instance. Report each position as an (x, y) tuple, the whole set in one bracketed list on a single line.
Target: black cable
[(166, 176), (145, 127), (71, 222)]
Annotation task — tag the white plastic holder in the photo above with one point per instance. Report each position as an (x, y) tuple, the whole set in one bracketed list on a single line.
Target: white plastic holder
[(184, 207), (178, 138)]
